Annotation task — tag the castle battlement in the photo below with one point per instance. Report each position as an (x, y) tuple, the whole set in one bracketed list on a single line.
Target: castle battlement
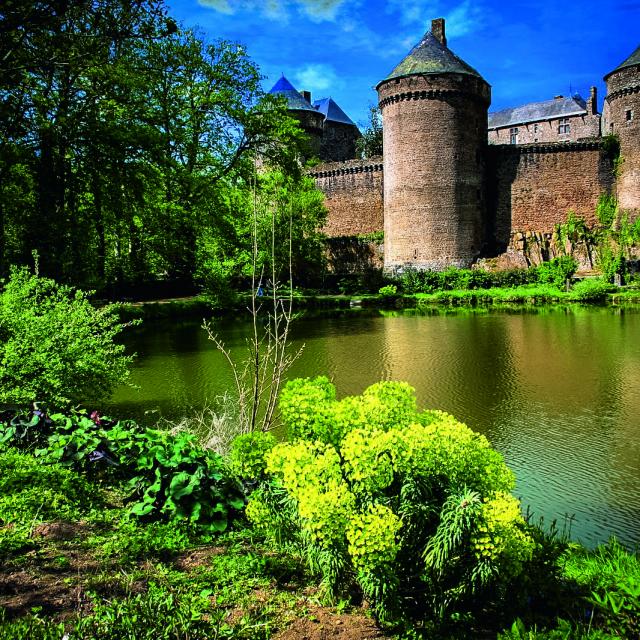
[(457, 184)]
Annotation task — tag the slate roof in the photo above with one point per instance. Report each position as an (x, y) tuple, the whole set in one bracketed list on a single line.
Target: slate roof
[(295, 100), (331, 111), (632, 60), (430, 56), (536, 111)]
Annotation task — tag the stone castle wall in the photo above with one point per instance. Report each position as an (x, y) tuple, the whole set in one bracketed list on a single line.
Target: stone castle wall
[(338, 141), (532, 188), (353, 195)]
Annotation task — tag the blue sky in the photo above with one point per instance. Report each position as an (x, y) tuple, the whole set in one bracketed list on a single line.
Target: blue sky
[(527, 51)]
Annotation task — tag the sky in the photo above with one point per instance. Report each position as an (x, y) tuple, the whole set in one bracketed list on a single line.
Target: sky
[(528, 51)]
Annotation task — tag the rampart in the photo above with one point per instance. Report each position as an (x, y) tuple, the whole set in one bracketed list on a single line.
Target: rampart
[(533, 187), (354, 196)]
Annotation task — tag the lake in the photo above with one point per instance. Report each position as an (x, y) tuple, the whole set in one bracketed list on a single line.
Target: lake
[(556, 390)]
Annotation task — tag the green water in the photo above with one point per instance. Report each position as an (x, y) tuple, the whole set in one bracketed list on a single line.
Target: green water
[(556, 391)]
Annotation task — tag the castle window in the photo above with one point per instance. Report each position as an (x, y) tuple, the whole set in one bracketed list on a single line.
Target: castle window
[(564, 126), (513, 133), (535, 128), (629, 115)]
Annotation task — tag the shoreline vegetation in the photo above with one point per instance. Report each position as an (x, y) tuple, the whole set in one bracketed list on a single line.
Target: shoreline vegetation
[(197, 307), (93, 545)]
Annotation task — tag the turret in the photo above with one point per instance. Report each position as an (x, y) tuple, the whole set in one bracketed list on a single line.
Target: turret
[(622, 117), (434, 108), (300, 108)]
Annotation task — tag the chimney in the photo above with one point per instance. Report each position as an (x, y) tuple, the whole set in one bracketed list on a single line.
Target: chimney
[(307, 96), (437, 29), (592, 102)]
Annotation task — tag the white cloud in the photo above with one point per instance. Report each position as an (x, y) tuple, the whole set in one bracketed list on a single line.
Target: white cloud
[(461, 20), (317, 10), (320, 79), (464, 19)]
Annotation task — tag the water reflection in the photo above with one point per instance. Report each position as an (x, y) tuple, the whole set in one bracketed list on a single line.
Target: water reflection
[(556, 392)]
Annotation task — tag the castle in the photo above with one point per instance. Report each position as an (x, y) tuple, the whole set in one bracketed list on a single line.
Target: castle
[(457, 184)]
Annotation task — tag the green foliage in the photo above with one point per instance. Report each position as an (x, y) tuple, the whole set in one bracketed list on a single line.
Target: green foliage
[(607, 210), (453, 279), (168, 477), (591, 290), (160, 613), (371, 142), (388, 291), (375, 237), (557, 271), (54, 345), (246, 458), (611, 576), (33, 492), (563, 630), (118, 171), (136, 541), (399, 501), (574, 230)]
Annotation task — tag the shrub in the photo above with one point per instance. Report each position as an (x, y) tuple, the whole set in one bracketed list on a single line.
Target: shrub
[(591, 290), (388, 291), (246, 458), (413, 507), (557, 271), (54, 345), (169, 477)]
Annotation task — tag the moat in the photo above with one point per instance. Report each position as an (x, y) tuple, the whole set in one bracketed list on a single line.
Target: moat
[(555, 390)]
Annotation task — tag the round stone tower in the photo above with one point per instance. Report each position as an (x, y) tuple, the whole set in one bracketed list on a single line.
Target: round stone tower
[(622, 117), (300, 108), (434, 108)]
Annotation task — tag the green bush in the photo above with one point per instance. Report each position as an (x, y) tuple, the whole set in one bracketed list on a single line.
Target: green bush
[(557, 271), (591, 290), (413, 507), (54, 345), (168, 476), (388, 291), (246, 458)]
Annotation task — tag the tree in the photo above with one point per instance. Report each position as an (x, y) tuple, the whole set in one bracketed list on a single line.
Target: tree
[(370, 144), (54, 345), (119, 134)]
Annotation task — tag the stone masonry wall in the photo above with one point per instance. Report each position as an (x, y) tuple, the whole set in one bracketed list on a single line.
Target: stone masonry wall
[(353, 195), (338, 141), (584, 126), (435, 129), (533, 187), (622, 117)]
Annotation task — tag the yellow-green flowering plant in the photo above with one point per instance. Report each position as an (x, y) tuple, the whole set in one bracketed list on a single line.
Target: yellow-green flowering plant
[(413, 507)]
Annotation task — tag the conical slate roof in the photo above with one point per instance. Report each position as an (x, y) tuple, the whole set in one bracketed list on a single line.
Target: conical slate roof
[(431, 56), (631, 61), (331, 111), (295, 100)]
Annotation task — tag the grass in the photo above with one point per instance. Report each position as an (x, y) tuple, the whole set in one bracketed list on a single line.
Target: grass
[(74, 565)]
